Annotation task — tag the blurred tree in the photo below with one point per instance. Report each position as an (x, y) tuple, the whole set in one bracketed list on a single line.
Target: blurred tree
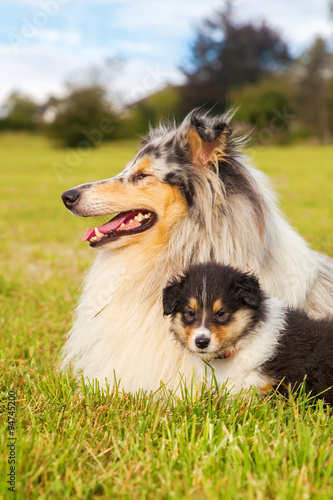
[(228, 54), (83, 118), (267, 106), (99, 75), (160, 106), (19, 113), (313, 93)]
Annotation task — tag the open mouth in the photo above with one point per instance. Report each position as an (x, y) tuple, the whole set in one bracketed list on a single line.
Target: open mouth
[(123, 224)]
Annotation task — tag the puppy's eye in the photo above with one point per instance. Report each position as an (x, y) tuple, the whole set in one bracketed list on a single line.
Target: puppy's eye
[(189, 315), (220, 314)]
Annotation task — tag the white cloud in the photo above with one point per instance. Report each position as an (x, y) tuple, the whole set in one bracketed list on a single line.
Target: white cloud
[(52, 36), (139, 80), (298, 22), (167, 18), (30, 71), (134, 46), (150, 34), (40, 70)]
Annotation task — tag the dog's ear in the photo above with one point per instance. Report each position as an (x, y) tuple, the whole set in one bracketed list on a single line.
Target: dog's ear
[(171, 294), (207, 138), (246, 288)]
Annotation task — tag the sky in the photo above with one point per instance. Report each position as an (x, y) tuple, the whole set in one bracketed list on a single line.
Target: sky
[(44, 43)]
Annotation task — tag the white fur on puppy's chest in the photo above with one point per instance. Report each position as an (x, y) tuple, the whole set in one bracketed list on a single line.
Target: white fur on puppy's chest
[(241, 370)]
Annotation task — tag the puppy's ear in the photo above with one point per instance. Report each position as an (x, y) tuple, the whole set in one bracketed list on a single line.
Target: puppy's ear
[(247, 289), (171, 294)]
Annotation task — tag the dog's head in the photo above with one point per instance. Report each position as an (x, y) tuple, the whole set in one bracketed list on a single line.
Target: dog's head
[(178, 172), (212, 307)]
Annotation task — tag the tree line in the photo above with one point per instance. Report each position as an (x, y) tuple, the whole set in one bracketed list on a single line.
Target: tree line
[(244, 65)]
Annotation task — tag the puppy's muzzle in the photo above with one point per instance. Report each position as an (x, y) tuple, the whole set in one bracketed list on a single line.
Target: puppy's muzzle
[(202, 341)]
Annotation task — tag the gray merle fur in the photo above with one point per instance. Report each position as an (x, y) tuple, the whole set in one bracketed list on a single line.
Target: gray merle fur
[(170, 143)]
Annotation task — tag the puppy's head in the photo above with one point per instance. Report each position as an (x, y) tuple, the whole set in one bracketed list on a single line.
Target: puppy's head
[(212, 307)]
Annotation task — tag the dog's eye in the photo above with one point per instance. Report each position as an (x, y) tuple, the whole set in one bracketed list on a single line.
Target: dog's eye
[(189, 315), (140, 176), (220, 314)]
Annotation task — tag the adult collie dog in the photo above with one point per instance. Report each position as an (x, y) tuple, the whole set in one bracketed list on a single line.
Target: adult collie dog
[(188, 196)]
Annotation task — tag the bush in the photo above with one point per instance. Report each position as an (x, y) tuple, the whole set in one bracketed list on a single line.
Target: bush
[(20, 113), (267, 106), (84, 118)]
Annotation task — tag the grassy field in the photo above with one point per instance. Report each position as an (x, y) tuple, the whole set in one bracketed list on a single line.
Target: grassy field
[(128, 446)]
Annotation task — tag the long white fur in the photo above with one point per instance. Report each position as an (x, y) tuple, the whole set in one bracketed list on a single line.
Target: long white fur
[(119, 330)]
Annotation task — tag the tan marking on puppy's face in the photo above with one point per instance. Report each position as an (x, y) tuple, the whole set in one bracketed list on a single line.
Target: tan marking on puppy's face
[(189, 329), (193, 304), (181, 334), (217, 306), (182, 331), (226, 335)]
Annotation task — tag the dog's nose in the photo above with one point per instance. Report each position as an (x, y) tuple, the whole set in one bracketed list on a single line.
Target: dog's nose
[(202, 342), (70, 197)]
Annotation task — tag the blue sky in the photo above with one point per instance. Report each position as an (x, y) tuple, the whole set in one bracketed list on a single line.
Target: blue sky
[(45, 42)]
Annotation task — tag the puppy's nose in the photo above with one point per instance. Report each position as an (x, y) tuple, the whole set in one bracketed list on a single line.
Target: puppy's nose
[(70, 197), (202, 342)]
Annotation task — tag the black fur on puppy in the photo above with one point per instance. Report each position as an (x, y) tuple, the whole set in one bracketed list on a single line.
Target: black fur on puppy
[(223, 316)]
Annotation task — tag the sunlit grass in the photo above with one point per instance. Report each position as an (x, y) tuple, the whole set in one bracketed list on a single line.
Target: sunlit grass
[(83, 444)]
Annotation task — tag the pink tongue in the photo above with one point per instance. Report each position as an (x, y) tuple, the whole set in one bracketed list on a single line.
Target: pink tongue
[(114, 223), (109, 226), (88, 234)]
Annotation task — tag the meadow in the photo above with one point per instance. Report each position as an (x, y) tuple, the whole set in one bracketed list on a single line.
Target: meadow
[(88, 445)]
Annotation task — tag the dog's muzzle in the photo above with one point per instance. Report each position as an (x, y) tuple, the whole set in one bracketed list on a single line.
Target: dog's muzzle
[(71, 197)]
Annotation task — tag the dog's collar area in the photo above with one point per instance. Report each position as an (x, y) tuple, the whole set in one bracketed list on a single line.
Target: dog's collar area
[(224, 356)]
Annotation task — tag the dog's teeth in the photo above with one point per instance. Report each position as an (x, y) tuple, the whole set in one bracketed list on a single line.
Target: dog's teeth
[(122, 225), (131, 221), (94, 238), (138, 217), (98, 233)]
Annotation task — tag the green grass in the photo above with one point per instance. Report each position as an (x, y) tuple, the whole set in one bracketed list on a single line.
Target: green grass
[(89, 445)]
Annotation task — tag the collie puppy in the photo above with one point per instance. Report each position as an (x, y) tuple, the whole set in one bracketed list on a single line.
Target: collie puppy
[(250, 339), (188, 196)]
